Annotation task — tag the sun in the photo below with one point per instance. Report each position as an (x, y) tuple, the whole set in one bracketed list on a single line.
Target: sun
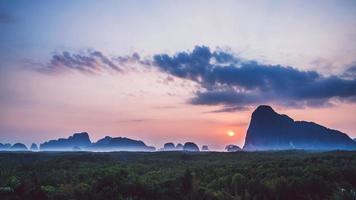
[(230, 133)]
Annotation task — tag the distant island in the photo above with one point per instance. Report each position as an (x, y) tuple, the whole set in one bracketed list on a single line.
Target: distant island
[(82, 142), (267, 130)]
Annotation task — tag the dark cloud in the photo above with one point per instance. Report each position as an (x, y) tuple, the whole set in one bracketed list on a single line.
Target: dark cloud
[(225, 79), (230, 81), (350, 73)]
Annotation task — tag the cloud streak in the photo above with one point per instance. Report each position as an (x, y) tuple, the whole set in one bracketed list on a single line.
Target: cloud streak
[(89, 62)]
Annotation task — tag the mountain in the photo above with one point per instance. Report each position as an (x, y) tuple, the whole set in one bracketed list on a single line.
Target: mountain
[(34, 147), (102, 142), (355, 139), (232, 148), (80, 140), (205, 148), (190, 146), (4, 146), (119, 144), (269, 130), (18, 147), (169, 147), (179, 147)]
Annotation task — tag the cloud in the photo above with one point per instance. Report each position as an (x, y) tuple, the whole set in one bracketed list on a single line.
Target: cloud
[(89, 62), (228, 80), (228, 109), (224, 78), (350, 73)]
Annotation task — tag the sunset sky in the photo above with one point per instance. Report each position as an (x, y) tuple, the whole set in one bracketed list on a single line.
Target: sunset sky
[(173, 71)]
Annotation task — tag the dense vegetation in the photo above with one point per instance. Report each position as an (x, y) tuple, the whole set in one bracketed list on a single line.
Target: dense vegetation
[(178, 175)]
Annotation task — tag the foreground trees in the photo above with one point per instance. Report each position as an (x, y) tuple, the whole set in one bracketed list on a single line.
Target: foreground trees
[(178, 175)]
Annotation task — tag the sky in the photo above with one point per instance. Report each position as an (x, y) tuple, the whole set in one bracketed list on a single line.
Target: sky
[(173, 71)]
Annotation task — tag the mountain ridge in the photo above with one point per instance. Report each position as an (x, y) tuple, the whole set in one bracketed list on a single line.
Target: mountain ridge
[(269, 130), (119, 144), (80, 140)]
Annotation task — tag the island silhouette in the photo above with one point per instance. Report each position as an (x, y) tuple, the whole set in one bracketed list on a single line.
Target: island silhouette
[(267, 130)]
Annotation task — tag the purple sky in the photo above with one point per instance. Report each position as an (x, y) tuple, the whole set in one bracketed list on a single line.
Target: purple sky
[(163, 71)]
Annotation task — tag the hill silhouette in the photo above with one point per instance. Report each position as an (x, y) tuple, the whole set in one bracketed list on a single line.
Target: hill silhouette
[(269, 130), (232, 148), (190, 146), (34, 147), (168, 146), (4, 146), (18, 147), (80, 140), (119, 144)]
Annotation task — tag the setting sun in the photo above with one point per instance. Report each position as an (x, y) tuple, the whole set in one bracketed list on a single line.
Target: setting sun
[(230, 133)]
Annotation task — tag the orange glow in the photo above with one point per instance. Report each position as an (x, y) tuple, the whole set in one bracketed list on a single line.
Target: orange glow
[(230, 133)]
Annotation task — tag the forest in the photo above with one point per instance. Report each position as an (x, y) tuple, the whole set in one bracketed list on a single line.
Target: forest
[(275, 175)]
